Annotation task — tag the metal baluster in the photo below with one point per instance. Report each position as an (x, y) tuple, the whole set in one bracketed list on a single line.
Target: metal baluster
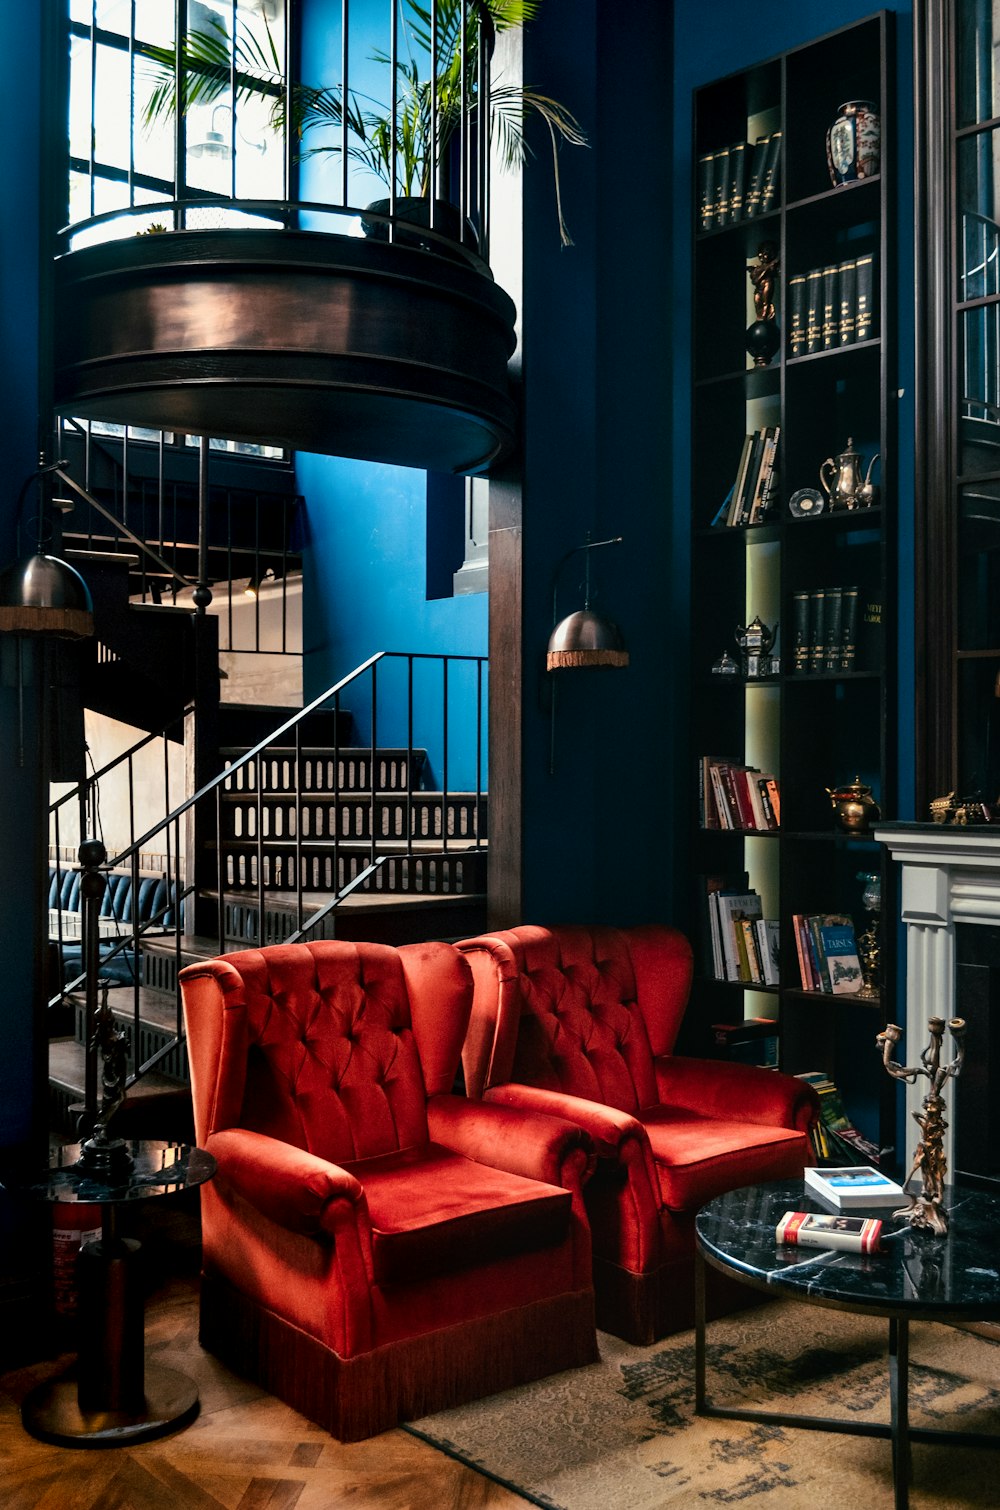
[(409, 756), (374, 747), (444, 756), (261, 940), (344, 107)]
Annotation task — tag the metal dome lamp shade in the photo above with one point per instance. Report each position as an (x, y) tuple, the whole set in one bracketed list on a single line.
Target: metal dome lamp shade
[(42, 594), (584, 637)]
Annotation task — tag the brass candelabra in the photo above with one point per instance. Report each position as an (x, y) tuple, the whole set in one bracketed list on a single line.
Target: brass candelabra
[(926, 1210)]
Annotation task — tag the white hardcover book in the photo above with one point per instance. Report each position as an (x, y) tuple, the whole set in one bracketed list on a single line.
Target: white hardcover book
[(854, 1187), (858, 1234)]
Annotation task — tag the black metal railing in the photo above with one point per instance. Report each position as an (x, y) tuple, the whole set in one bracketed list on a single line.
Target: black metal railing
[(249, 561), (287, 831), (404, 111)]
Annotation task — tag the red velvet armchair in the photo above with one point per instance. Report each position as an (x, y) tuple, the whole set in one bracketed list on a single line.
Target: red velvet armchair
[(581, 1023), (374, 1246)]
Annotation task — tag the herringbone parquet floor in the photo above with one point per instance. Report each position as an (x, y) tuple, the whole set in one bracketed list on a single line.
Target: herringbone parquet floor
[(245, 1451)]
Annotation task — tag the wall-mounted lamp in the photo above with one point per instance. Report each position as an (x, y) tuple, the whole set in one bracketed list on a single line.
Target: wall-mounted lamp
[(585, 637), (215, 144), (42, 594), (255, 582)]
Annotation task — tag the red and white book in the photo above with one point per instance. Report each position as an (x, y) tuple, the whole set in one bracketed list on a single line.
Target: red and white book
[(806, 1229)]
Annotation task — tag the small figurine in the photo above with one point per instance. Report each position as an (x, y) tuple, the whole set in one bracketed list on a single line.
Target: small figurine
[(762, 275)]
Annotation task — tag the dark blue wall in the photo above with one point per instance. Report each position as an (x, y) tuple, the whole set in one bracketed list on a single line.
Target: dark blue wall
[(22, 836)]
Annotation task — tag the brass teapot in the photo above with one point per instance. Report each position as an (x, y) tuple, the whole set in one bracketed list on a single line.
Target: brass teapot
[(854, 806), (841, 477)]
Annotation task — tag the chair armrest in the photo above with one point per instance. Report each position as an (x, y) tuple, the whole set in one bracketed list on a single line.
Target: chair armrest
[(289, 1186), (738, 1092), (608, 1126), (531, 1144)]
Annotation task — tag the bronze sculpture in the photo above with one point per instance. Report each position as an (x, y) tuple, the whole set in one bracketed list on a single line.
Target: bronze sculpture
[(927, 1209)]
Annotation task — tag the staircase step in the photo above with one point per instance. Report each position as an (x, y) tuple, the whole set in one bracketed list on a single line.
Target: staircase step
[(157, 1027), (330, 768), (329, 866), (155, 1102), (348, 815)]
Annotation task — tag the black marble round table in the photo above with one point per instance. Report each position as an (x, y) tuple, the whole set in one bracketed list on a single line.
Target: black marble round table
[(915, 1276), (113, 1397)]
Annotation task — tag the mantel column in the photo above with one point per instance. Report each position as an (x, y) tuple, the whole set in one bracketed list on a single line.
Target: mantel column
[(930, 981)]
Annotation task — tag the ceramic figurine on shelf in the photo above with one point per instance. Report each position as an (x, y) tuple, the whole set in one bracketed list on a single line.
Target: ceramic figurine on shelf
[(763, 339)]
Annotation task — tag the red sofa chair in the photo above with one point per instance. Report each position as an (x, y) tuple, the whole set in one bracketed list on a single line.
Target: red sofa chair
[(374, 1246), (581, 1023)]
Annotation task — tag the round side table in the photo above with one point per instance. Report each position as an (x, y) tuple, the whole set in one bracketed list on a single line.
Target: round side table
[(113, 1396)]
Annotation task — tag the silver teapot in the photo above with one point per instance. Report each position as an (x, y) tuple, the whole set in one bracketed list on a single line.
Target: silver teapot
[(841, 479)]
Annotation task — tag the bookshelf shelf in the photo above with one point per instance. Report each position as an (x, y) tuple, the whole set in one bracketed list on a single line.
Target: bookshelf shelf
[(817, 728)]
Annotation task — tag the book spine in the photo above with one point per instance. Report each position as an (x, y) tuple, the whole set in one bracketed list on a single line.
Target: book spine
[(735, 505), (718, 962), (800, 631), (756, 805), (719, 792), (832, 617), (723, 185), (758, 508), (817, 603), (752, 475), (771, 174), (830, 319), (792, 1229), (797, 315), (804, 974), (820, 968), (765, 802), (865, 278), (848, 628), (732, 779), (755, 178), (848, 301), (738, 162), (706, 191), (774, 792), (871, 629), (814, 310), (751, 951)]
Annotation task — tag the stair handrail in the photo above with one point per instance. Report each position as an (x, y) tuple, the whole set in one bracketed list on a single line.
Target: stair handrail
[(181, 889), (59, 471)]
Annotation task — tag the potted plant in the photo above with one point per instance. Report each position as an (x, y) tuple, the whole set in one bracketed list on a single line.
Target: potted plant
[(428, 113)]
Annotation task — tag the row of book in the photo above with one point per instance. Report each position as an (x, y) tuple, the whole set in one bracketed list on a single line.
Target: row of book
[(825, 629), (835, 1136), (754, 492), (831, 306), (744, 942), (738, 182), (827, 953), (736, 796)]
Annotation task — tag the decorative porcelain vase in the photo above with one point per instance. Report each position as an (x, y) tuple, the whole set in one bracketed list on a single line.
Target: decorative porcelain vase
[(853, 142)]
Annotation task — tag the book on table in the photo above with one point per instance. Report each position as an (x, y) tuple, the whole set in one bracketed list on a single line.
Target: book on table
[(806, 1229), (853, 1187)]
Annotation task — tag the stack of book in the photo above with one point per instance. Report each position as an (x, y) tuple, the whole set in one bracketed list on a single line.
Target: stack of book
[(754, 1040), (731, 795), (831, 306), (835, 1136), (824, 629), (738, 182), (754, 491), (743, 943), (827, 953)]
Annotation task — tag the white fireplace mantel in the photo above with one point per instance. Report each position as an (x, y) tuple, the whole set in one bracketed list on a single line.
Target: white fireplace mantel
[(949, 875)]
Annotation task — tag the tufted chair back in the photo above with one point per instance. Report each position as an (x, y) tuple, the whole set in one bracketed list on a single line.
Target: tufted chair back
[(332, 1046), (577, 1010)]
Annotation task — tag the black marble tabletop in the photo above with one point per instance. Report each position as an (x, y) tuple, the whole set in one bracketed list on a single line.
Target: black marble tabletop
[(916, 1274), (157, 1169)]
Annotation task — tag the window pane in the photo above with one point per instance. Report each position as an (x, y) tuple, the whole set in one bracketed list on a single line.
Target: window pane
[(978, 729), (979, 567), (112, 123), (154, 22), (979, 390), (978, 204), (79, 98), (977, 36)]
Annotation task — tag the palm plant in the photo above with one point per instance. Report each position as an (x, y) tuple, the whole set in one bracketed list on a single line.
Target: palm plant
[(406, 149)]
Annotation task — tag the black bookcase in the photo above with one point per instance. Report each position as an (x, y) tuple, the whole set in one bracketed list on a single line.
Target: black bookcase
[(823, 727)]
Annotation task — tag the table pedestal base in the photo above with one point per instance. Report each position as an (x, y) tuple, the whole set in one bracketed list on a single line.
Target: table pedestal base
[(52, 1412)]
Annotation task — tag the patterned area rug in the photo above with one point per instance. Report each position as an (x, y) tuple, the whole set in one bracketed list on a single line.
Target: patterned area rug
[(622, 1434)]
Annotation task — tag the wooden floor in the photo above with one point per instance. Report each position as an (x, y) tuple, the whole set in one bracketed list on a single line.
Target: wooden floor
[(245, 1451)]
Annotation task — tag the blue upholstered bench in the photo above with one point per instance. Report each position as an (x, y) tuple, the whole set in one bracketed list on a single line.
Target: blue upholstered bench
[(154, 908)]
